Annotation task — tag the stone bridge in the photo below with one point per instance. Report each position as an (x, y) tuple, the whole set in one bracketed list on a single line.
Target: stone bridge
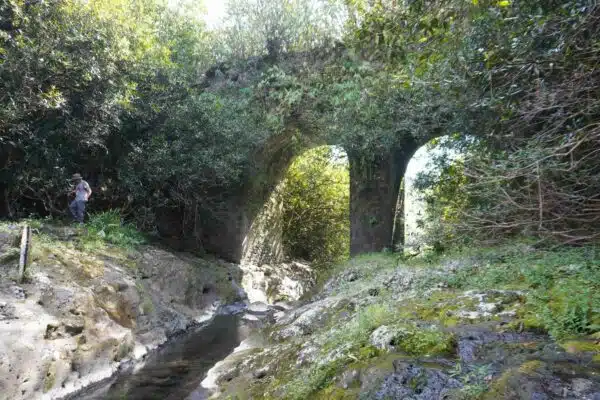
[(374, 186)]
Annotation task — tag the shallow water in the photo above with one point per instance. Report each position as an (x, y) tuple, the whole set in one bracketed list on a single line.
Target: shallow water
[(175, 371)]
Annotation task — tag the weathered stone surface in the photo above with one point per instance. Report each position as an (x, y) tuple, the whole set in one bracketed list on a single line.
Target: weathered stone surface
[(81, 315), (581, 386), (414, 340), (382, 337), (278, 282), (410, 381)]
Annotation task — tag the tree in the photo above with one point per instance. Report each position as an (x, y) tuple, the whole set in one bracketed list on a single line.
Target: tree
[(266, 27), (315, 198)]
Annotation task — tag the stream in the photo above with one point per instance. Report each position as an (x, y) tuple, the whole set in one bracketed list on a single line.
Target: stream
[(175, 371)]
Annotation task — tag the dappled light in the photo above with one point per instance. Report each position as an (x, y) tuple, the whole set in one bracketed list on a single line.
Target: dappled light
[(299, 199), (306, 216), (435, 167)]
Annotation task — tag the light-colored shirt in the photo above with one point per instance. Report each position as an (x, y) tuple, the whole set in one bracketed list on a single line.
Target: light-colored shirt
[(81, 191)]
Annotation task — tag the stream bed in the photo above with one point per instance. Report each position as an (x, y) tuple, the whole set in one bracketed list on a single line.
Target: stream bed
[(175, 371)]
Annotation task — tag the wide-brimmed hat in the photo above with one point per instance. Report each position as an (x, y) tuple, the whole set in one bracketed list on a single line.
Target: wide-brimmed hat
[(76, 177)]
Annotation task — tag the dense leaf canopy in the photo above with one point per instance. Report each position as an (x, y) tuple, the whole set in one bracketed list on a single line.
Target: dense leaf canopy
[(161, 113)]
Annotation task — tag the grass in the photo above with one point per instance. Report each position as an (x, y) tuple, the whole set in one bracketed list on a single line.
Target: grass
[(108, 227), (475, 382), (562, 285), (552, 290)]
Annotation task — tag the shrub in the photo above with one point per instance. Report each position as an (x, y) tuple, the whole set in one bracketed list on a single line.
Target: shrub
[(109, 227)]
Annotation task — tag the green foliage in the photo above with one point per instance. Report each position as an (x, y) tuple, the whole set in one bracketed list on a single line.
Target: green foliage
[(122, 92), (315, 379), (425, 342), (442, 187), (562, 284), (272, 27), (80, 83), (315, 200), (108, 227), (475, 382)]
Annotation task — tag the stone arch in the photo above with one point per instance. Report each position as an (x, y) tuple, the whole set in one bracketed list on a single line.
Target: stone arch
[(264, 242), (374, 187), (375, 181)]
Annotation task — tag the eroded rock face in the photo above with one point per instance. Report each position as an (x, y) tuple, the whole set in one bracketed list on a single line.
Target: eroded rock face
[(383, 337), (401, 333), (81, 315), (411, 381), (278, 282)]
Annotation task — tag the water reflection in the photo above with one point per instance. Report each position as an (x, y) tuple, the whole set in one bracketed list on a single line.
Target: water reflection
[(175, 371)]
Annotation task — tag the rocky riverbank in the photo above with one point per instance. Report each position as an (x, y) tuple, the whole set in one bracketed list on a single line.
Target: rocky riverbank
[(81, 313), (514, 323)]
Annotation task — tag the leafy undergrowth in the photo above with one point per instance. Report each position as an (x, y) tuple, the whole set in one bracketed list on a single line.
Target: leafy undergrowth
[(108, 227), (425, 303), (562, 285)]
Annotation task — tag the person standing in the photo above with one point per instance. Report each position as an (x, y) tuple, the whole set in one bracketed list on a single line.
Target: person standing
[(82, 194)]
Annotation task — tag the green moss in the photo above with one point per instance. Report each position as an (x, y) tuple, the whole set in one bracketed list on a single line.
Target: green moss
[(10, 256), (335, 392), (531, 367), (441, 307), (527, 321), (368, 352), (500, 387), (314, 380), (581, 346), (511, 383), (426, 342), (49, 377)]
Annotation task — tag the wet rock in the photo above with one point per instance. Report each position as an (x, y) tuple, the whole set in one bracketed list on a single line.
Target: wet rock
[(282, 306), (233, 309), (538, 379), (470, 343), (581, 386), (258, 307), (410, 381), (7, 311), (278, 315)]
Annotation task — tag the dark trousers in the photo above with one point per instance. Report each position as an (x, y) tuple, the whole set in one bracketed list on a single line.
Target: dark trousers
[(77, 208)]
